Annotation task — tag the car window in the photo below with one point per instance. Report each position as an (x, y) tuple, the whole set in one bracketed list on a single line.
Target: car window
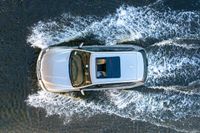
[(108, 67), (79, 68), (126, 84), (110, 86)]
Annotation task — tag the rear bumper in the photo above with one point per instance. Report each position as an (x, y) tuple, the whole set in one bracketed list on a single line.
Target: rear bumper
[(145, 64)]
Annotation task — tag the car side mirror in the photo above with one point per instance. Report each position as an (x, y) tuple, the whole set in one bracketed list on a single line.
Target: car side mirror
[(81, 45)]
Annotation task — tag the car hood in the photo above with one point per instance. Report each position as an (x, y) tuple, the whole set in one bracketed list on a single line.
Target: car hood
[(55, 69)]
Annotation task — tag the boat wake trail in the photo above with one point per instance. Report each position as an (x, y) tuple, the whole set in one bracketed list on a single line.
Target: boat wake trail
[(171, 99), (167, 109), (173, 71), (127, 24), (172, 63)]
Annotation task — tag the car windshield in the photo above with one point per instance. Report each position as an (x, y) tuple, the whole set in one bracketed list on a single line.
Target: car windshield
[(79, 68)]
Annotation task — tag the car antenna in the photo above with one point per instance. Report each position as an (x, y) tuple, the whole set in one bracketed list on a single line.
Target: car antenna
[(80, 46)]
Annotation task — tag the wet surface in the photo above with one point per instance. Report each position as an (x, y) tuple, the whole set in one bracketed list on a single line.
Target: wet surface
[(169, 31)]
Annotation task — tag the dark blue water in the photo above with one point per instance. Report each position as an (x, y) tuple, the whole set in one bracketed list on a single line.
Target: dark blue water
[(169, 30)]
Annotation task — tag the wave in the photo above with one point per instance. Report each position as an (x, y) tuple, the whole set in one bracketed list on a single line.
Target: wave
[(165, 109), (173, 70), (173, 63), (171, 95), (127, 24)]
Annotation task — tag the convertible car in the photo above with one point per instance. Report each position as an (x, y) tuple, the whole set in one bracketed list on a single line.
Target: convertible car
[(83, 68)]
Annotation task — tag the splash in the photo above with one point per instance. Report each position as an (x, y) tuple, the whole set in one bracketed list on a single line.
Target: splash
[(64, 106), (127, 24), (159, 108), (172, 63), (60, 30), (166, 102)]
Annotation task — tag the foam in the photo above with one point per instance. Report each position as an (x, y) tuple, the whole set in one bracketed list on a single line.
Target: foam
[(168, 69), (172, 63), (161, 108), (127, 24)]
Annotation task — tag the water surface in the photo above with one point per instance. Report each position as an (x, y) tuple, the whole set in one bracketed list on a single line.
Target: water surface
[(168, 30)]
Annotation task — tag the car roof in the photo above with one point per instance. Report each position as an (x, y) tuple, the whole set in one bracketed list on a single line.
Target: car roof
[(128, 66)]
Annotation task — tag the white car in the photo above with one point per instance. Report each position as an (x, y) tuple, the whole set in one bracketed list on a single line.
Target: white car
[(64, 69)]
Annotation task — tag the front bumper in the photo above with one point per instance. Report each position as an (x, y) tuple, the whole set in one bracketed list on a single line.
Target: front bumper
[(38, 66)]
